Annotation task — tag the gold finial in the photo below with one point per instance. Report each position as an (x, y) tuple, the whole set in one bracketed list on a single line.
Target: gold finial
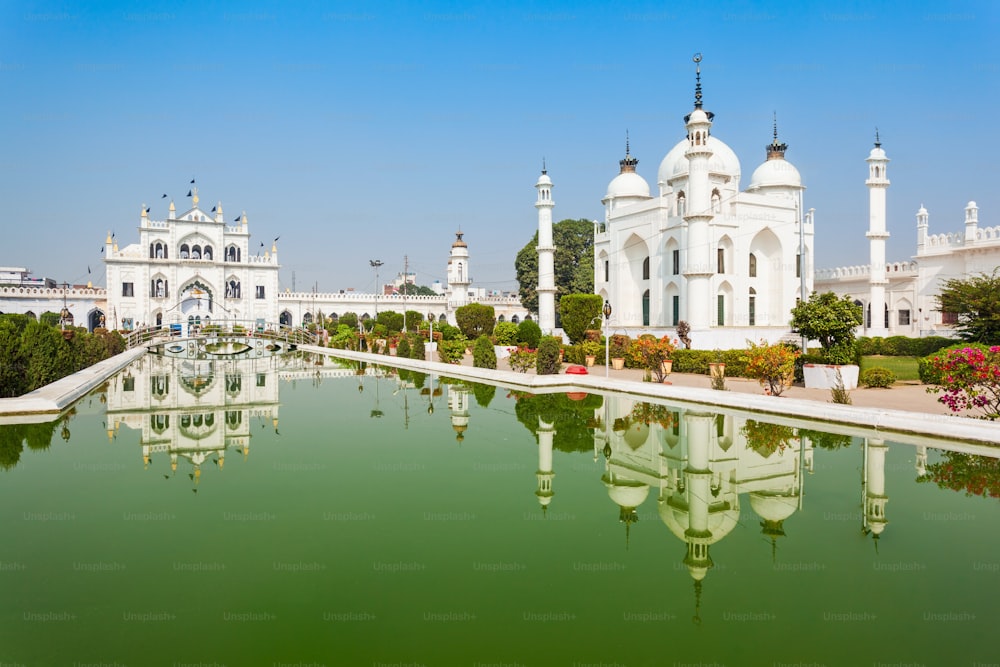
[(144, 211), (173, 209), (108, 240), (194, 196)]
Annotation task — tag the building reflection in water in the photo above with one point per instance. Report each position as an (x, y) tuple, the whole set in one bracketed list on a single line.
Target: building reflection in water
[(198, 410)]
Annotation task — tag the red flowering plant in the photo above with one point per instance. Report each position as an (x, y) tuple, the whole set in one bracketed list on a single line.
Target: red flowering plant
[(970, 380), (522, 359), (772, 365)]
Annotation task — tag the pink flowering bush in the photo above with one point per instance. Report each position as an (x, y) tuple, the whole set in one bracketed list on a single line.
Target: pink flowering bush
[(970, 380)]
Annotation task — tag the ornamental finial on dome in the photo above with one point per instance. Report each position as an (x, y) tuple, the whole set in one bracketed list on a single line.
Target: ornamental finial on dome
[(544, 170), (878, 142), (776, 151), (697, 78), (627, 164)]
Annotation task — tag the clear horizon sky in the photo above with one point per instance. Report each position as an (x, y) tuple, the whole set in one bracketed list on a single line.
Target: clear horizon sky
[(359, 131)]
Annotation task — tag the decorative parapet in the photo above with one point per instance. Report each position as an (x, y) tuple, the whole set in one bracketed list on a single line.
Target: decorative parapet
[(947, 240), (864, 271), (53, 292)]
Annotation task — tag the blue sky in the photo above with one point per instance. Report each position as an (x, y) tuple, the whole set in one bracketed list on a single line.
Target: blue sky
[(373, 131)]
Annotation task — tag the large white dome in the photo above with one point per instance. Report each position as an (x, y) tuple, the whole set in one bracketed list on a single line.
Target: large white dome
[(723, 161), (628, 184), (776, 172)]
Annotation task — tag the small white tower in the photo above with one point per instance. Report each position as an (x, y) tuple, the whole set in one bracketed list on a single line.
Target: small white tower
[(546, 255), (699, 265), (878, 182), (875, 498), (922, 225), (458, 273), (971, 221)]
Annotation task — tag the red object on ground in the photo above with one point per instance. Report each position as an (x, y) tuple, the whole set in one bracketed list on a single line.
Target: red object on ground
[(576, 370)]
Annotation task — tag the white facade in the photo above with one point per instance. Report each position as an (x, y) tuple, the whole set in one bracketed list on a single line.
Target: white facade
[(905, 292), (191, 269), (701, 250)]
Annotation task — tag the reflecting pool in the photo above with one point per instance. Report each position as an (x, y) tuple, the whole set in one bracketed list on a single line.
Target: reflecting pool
[(290, 510)]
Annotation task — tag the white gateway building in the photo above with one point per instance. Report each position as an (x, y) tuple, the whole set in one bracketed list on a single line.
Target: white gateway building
[(730, 263), (191, 269)]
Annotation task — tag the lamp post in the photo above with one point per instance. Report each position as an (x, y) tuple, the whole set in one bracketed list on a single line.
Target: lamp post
[(607, 341), (375, 263)]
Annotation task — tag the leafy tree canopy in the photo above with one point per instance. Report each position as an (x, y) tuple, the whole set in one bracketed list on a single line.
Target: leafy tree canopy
[(976, 301), (831, 320), (574, 262), (475, 320)]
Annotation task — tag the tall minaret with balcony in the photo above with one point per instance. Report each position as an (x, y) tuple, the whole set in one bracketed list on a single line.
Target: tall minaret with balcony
[(546, 255), (878, 183), (699, 266), (458, 273)]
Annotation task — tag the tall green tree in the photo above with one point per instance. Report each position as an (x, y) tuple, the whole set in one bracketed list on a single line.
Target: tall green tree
[(976, 301), (831, 320), (574, 262), (12, 363)]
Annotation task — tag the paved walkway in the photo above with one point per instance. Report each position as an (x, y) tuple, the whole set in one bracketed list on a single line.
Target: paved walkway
[(909, 396)]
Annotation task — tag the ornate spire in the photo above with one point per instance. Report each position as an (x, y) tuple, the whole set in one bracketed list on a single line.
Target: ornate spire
[(628, 163), (878, 142), (697, 78), (776, 151), (544, 170)]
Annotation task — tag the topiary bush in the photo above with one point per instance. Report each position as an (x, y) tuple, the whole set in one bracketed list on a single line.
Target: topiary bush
[(505, 333), (417, 348), (403, 347), (547, 360), (877, 377), (483, 354), (529, 334), (451, 351)]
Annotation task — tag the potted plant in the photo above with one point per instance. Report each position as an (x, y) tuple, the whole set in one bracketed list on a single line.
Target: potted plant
[(831, 320), (591, 349), (653, 355), (772, 365), (618, 348), (717, 368)]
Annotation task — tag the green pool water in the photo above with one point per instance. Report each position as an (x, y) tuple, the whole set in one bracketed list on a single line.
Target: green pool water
[(287, 511)]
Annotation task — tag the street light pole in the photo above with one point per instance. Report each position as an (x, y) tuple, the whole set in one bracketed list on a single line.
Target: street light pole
[(607, 341), (375, 264)]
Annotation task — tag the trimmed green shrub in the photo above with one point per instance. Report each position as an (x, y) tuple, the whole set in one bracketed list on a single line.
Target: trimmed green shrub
[(483, 354), (877, 377), (578, 313), (573, 354), (505, 333), (451, 351), (447, 331), (483, 393), (529, 334), (403, 347), (475, 320), (547, 361), (417, 348), (619, 346)]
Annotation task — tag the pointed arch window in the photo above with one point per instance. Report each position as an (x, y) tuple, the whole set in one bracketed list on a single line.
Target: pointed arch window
[(681, 203), (645, 269), (753, 266), (752, 308)]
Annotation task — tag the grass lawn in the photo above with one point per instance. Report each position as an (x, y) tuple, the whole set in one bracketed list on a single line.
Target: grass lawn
[(905, 368)]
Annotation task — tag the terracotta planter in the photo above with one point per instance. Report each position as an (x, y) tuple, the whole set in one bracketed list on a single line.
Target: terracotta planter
[(590, 359), (717, 370), (667, 366), (618, 363)]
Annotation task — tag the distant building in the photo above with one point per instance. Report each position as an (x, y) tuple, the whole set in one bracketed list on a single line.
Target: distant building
[(16, 276)]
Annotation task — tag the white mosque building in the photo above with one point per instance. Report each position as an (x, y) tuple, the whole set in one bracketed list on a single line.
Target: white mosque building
[(729, 262)]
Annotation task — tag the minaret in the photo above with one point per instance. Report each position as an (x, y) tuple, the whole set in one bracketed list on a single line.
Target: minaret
[(546, 432), (458, 272), (546, 255), (699, 266), (971, 221), (922, 226), (878, 182), (458, 403)]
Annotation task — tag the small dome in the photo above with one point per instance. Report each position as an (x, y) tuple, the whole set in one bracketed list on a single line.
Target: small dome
[(922, 210), (723, 161), (776, 172), (544, 179), (971, 204), (626, 492), (877, 153), (628, 184), (697, 116), (773, 507)]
